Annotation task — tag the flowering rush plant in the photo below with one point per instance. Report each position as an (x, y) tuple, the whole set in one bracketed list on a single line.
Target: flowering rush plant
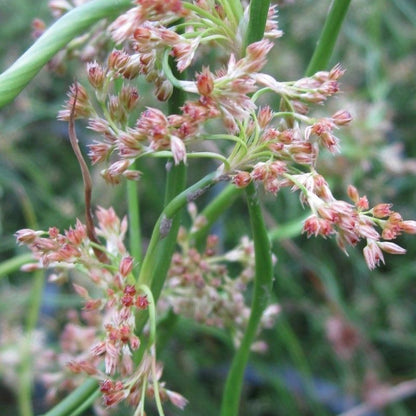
[(203, 108)]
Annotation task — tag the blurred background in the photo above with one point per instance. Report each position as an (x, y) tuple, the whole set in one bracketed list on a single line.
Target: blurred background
[(345, 334)]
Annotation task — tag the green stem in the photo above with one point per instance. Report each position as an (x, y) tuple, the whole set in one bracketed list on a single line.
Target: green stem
[(24, 395), (162, 243), (163, 225), (175, 184), (134, 220), (72, 24), (258, 17), (71, 403), (262, 253), (329, 35), (261, 294), (25, 370), (15, 263), (86, 404)]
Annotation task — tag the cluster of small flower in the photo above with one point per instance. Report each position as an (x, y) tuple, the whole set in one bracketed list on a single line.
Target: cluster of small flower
[(199, 287), (109, 333), (148, 42)]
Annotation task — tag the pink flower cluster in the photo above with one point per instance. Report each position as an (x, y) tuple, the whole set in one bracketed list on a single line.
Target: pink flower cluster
[(112, 306), (352, 223)]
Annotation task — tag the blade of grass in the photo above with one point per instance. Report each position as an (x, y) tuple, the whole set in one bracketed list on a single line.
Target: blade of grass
[(326, 42)]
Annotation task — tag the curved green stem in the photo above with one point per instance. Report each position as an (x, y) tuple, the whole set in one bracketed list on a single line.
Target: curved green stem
[(72, 24), (329, 35), (163, 226), (261, 293)]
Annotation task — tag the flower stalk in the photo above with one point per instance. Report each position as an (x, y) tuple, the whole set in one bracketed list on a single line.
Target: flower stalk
[(261, 295)]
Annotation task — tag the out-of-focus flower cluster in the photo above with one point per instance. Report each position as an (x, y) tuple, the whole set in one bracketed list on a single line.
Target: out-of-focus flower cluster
[(106, 336), (199, 287)]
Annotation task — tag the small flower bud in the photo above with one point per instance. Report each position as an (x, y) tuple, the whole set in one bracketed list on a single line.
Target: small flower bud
[(353, 193), (242, 179), (176, 399), (178, 149), (38, 27), (362, 203), (336, 72), (126, 266), (382, 210), (264, 116), (142, 302), (163, 90), (117, 60), (391, 248), (408, 226), (342, 117), (128, 97), (27, 236), (96, 75), (132, 175), (373, 254), (205, 82), (81, 291)]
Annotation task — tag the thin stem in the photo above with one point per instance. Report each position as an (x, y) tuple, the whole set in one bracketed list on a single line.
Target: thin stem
[(152, 312), (86, 404), (218, 23), (73, 401), (230, 137), (163, 225), (195, 155), (86, 178), (329, 35), (134, 220), (24, 395), (15, 263), (72, 24), (261, 293), (156, 384)]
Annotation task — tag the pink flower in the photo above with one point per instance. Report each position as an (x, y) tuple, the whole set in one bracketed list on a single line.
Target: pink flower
[(178, 149), (373, 254)]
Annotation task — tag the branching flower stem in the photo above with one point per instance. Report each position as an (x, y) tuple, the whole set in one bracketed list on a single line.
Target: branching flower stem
[(86, 177), (262, 254), (263, 270)]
